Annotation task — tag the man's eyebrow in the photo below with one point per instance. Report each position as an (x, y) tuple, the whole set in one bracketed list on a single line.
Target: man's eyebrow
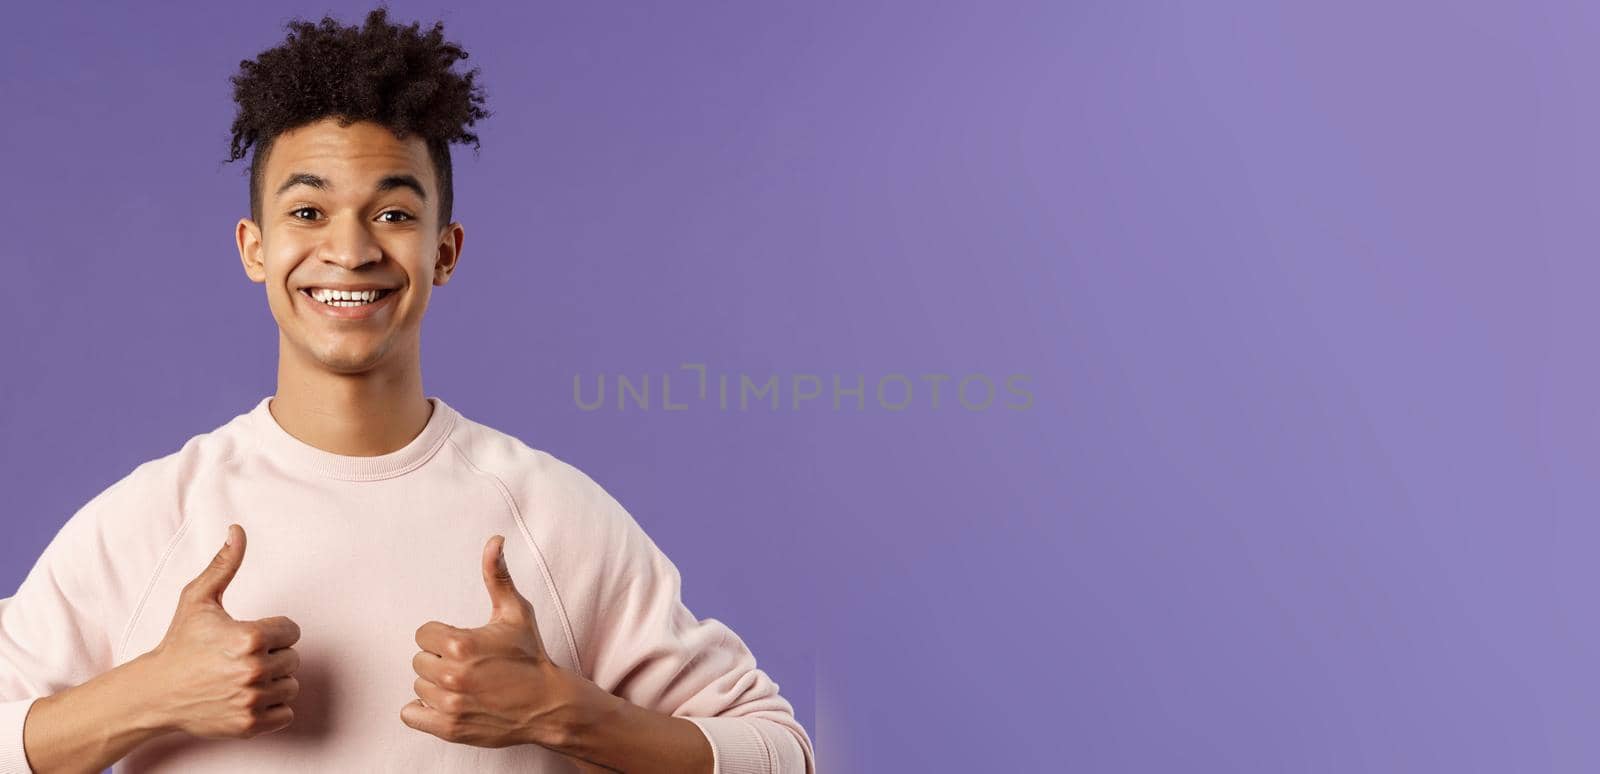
[(303, 178), (388, 183), (402, 181)]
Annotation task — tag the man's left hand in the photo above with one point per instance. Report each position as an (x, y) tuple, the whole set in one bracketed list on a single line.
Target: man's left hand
[(495, 686)]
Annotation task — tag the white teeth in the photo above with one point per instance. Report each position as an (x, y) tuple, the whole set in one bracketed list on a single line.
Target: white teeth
[(345, 297)]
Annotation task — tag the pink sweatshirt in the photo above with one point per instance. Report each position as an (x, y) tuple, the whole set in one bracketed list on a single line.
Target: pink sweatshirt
[(360, 551)]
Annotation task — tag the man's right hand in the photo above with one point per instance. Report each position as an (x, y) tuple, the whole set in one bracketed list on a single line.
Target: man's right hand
[(220, 677)]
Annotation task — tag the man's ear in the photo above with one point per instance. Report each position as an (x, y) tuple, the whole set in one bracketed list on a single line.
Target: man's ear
[(450, 239), (248, 235)]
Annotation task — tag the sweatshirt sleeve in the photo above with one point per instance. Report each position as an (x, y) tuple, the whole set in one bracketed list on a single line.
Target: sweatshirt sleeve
[(638, 641), (63, 625)]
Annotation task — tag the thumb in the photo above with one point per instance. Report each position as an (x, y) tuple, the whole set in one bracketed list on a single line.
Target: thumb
[(208, 586), (508, 603)]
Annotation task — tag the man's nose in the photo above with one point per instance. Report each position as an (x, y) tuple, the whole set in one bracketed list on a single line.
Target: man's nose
[(350, 244)]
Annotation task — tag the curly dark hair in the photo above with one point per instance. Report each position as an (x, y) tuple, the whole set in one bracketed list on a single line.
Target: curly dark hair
[(396, 76)]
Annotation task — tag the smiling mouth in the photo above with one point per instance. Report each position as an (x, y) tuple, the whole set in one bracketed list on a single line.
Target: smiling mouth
[(346, 298)]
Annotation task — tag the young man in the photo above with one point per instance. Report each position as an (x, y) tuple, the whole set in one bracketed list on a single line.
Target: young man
[(376, 517)]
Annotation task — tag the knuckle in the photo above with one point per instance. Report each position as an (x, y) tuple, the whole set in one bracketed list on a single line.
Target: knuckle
[(250, 640), (253, 671), (259, 724), (453, 703), (458, 647), (451, 679), (243, 725)]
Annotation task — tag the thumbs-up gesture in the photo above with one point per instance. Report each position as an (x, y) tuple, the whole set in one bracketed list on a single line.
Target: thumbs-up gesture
[(494, 686), (221, 677)]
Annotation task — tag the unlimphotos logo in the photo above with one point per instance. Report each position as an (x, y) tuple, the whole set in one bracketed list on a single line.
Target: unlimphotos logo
[(804, 391)]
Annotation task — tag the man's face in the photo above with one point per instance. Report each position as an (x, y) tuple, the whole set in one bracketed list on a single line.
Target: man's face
[(348, 209)]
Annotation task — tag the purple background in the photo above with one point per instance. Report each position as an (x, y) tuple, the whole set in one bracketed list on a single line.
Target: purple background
[(1305, 297)]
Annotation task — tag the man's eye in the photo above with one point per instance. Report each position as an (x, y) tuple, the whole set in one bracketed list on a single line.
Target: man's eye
[(405, 216), (295, 212)]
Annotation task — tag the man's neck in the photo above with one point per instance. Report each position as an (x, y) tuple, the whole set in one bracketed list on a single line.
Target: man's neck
[(361, 415)]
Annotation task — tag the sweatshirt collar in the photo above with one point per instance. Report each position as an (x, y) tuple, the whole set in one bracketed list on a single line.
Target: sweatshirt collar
[(282, 446)]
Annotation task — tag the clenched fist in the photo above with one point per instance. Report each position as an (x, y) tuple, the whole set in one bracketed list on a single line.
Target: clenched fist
[(495, 685), (222, 677)]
